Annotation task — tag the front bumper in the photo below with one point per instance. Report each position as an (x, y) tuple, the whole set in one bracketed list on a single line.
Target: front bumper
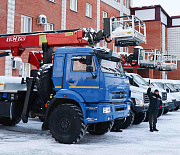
[(165, 105), (177, 103), (171, 106), (94, 113), (139, 109)]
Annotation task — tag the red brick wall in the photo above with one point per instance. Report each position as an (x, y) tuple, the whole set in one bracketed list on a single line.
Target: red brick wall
[(78, 19), (2, 64), (3, 16), (33, 9), (175, 74), (3, 29)]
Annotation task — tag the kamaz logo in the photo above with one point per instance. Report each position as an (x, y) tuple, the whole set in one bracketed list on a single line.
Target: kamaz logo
[(16, 39)]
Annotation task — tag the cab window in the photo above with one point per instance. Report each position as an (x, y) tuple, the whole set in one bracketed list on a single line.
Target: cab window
[(78, 66)]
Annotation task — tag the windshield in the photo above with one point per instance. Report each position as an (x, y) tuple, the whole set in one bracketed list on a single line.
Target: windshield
[(170, 87), (111, 67), (175, 86), (178, 86), (159, 84), (140, 80)]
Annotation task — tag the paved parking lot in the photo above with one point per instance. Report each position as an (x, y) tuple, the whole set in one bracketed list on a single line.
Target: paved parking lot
[(28, 139)]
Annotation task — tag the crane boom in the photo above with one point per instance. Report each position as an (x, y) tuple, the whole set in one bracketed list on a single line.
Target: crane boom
[(17, 43)]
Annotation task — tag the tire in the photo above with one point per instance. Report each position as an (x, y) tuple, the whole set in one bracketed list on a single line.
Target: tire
[(66, 124), (176, 109), (42, 118), (160, 112), (165, 111), (124, 124), (6, 121), (117, 125), (100, 128), (44, 83), (139, 117)]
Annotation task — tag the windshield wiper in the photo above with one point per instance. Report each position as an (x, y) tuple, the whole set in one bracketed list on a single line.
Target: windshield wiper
[(119, 71), (109, 69), (112, 70)]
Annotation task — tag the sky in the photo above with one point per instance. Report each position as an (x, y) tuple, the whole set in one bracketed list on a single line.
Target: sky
[(172, 7)]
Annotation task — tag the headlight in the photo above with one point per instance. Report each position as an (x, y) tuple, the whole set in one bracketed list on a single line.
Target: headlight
[(106, 110), (129, 107), (169, 100), (139, 102)]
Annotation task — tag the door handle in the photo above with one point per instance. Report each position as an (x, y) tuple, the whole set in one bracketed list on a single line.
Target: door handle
[(71, 81)]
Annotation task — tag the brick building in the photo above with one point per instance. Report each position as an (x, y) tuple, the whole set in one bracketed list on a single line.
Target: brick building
[(21, 16), (163, 33)]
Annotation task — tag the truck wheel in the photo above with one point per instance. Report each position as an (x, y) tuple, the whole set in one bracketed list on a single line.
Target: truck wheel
[(139, 117), (42, 118), (128, 122), (44, 82), (66, 124), (100, 128), (160, 112), (165, 111), (117, 125), (6, 121), (176, 108), (147, 117)]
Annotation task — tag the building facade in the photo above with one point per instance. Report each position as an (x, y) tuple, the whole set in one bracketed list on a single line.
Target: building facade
[(163, 33), (22, 16)]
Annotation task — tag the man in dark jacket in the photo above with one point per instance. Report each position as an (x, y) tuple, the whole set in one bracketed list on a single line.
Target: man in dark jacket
[(154, 105)]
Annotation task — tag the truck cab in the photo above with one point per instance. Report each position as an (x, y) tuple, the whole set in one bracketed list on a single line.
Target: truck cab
[(103, 93)]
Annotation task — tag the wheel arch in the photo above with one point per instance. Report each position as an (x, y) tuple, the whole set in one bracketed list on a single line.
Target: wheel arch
[(71, 97)]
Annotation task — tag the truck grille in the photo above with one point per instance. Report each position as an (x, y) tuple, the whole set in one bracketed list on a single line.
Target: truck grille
[(119, 95), (164, 96), (146, 98)]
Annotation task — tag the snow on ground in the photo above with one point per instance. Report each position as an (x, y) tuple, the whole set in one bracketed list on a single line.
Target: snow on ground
[(28, 139)]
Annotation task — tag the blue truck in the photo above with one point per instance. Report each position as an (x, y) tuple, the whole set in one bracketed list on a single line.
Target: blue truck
[(84, 89)]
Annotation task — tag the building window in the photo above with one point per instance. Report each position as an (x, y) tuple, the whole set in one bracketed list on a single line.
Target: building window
[(127, 3), (88, 10), (26, 24), (104, 15), (73, 5), (126, 49), (48, 27)]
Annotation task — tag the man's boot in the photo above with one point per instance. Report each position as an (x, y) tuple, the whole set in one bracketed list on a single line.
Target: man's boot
[(154, 128), (151, 128)]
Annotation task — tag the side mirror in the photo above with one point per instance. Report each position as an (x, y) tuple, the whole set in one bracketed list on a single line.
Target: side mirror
[(89, 69), (167, 90), (89, 60)]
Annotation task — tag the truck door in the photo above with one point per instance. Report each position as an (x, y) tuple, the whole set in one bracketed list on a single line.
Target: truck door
[(77, 79), (58, 68)]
